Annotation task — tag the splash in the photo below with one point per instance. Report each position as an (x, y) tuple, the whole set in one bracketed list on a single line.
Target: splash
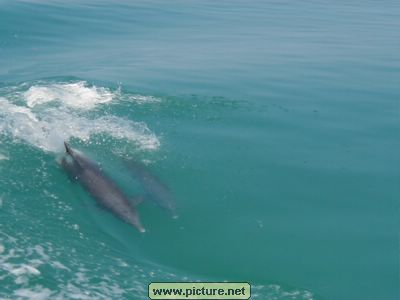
[(44, 115), (76, 95)]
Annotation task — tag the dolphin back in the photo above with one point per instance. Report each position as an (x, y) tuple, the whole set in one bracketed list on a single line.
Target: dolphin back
[(100, 186), (156, 190), (81, 159)]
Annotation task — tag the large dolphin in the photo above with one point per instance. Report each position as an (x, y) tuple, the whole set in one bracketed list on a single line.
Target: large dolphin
[(155, 189), (100, 186)]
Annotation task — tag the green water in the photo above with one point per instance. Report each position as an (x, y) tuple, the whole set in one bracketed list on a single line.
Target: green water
[(274, 125)]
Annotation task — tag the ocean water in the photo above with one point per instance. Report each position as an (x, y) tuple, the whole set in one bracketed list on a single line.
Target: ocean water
[(273, 123)]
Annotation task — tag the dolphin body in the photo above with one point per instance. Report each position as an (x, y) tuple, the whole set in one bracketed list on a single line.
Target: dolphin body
[(100, 186), (155, 189)]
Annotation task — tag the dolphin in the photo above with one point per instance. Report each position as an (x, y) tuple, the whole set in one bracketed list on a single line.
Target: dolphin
[(155, 189), (88, 173)]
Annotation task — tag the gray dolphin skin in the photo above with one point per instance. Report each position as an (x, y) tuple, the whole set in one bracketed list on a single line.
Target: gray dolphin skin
[(100, 186), (155, 189)]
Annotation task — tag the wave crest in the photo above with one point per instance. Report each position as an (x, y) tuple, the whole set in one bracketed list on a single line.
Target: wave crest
[(44, 115)]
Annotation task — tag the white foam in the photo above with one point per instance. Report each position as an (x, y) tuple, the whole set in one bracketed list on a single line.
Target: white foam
[(3, 157), (76, 95), (141, 99), (40, 251), (21, 280), (25, 269), (17, 110), (58, 265), (36, 293), (46, 127)]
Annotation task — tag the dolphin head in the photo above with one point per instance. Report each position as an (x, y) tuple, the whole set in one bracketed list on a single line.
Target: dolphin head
[(132, 217), (172, 210)]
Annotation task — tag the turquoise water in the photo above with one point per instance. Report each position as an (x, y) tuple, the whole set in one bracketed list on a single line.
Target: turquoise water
[(273, 123)]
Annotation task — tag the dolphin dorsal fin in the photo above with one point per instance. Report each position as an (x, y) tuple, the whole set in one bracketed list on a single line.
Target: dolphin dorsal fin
[(70, 152), (67, 148)]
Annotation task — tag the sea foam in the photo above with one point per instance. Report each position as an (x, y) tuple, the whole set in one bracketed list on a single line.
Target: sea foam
[(78, 95), (46, 114)]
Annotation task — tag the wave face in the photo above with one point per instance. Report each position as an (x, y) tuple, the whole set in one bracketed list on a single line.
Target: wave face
[(35, 118)]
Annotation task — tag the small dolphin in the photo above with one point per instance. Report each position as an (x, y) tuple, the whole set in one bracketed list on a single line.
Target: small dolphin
[(100, 186), (157, 191)]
